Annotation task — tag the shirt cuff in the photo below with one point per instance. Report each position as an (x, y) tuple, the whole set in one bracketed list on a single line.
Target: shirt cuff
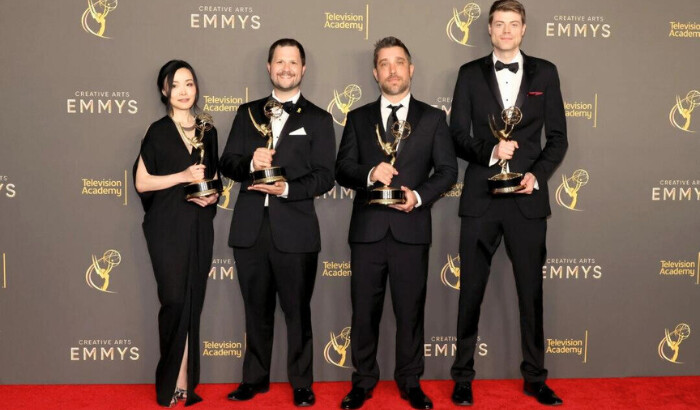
[(419, 202), (494, 159), (251, 166), (369, 177), (284, 194)]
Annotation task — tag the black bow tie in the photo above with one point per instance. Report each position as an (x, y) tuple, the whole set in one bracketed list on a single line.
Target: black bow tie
[(289, 106), (513, 67)]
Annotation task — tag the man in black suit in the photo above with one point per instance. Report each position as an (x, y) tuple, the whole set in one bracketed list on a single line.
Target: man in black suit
[(392, 240), (274, 230), (486, 86)]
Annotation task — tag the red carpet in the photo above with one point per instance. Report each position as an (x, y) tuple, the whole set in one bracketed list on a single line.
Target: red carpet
[(624, 393)]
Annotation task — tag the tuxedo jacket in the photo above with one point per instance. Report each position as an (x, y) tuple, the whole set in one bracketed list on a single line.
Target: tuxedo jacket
[(477, 96), (306, 150), (427, 149)]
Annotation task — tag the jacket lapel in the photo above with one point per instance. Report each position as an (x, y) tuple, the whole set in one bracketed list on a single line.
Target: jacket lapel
[(529, 68), (490, 76)]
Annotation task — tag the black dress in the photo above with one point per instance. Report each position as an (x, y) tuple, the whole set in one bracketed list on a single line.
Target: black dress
[(180, 238)]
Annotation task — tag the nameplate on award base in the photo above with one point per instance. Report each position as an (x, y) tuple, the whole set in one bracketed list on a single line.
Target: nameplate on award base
[(506, 183), (202, 188), (387, 196)]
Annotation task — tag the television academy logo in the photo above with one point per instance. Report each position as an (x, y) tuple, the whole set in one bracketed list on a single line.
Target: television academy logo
[(569, 346), (669, 346), (681, 268), (336, 350), (570, 186), (102, 268), (450, 273), (459, 25), (348, 21), (341, 103), (94, 18), (681, 113)]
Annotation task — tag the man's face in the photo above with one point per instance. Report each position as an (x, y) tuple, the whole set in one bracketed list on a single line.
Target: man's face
[(286, 69), (393, 71), (507, 31)]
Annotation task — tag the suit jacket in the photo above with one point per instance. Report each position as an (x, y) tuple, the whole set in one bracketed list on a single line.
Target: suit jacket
[(428, 148), (476, 96), (308, 162)]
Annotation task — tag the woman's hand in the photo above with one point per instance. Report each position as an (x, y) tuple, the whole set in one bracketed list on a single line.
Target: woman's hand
[(205, 200), (194, 173)]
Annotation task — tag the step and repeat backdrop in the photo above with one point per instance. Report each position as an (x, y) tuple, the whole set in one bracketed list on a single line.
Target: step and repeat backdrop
[(77, 295)]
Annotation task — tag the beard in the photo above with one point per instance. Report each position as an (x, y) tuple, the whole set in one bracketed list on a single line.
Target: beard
[(394, 89)]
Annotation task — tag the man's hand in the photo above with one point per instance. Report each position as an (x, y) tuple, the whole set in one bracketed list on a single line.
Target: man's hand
[(383, 173), (505, 149), (529, 182), (410, 203), (205, 200), (275, 189), (262, 158)]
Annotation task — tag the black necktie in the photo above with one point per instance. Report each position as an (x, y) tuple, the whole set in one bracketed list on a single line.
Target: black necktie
[(391, 119), (288, 106), (513, 67)]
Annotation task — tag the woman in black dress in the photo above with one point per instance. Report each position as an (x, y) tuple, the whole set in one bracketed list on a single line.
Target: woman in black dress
[(179, 232)]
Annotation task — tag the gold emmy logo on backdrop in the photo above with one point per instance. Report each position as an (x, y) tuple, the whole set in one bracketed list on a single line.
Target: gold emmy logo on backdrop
[(450, 272), (670, 343), (571, 186), (336, 349), (102, 267), (98, 11), (225, 201), (343, 102), (684, 109), (458, 27)]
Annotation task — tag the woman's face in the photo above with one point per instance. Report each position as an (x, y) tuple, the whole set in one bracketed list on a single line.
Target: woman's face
[(183, 90)]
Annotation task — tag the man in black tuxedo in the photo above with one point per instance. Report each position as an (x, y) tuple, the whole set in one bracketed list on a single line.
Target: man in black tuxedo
[(392, 240), (486, 86), (274, 230)]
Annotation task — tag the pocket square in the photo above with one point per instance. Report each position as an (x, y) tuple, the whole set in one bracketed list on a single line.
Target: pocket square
[(535, 93), (298, 131)]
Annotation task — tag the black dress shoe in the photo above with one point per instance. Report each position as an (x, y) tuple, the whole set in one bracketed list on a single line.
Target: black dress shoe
[(542, 393), (462, 394), (356, 398), (417, 398), (247, 391), (304, 397)]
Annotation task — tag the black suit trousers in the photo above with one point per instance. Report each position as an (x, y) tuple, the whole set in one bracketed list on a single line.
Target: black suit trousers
[(262, 271), (406, 266), (526, 245)]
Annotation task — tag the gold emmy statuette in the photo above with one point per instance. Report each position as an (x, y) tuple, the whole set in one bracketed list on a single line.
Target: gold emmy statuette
[(205, 187), (272, 109), (505, 182), (387, 195)]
